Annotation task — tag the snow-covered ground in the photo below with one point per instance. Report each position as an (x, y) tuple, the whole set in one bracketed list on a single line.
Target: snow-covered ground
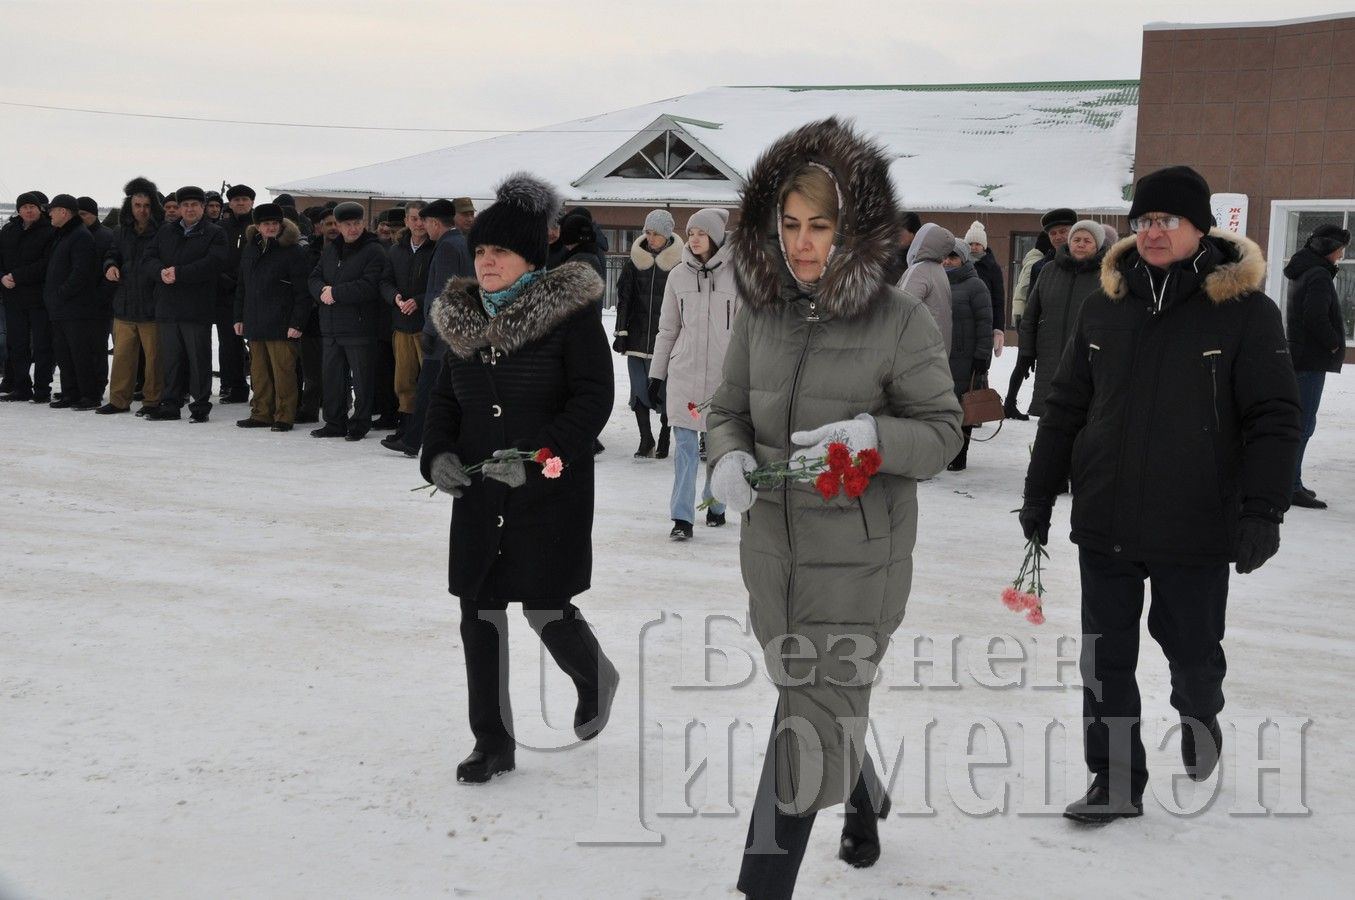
[(229, 668)]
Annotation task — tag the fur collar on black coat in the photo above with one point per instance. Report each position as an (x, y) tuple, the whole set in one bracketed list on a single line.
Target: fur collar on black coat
[(461, 320)]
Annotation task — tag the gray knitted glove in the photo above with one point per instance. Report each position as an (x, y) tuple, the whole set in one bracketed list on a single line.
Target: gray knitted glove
[(727, 484), (510, 472), (448, 475)]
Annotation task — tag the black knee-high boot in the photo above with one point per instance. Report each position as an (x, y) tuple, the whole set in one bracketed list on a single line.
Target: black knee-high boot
[(484, 641), (661, 452), (961, 459), (646, 432), (575, 649)]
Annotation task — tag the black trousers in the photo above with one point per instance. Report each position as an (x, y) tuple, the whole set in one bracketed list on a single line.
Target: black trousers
[(81, 350), (186, 358), (1186, 619), (345, 359), (30, 346), (1020, 372), (770, 869), (310, 367), (230, 353), (484, 641), (384, 401), (428, 377)]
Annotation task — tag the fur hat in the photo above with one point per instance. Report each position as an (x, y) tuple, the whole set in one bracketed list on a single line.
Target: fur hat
[(27, 197), (439, 209), (1095, 229), (1061, 216), (576, 228), (88, 204), (64, 201), (348, 211), (171, 197), (190, 192), (140, 185), (394, 217), (1177, 190), (712, 221), (285, 200), (518, 219), (1328, 238), (267, 212), (212, 195), (660, 221), (239, 190), (976, 235)]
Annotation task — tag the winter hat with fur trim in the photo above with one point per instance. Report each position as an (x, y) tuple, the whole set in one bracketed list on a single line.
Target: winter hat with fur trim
[(660, 221), (712, 221), (1327, 238), (1095, 229), (349, 211), (518, 219), (976, 235), (267, 212)]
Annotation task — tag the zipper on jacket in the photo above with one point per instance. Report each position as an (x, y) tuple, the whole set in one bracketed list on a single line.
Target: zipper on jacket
[(785, 504), (1213, 357), (1091, 353)]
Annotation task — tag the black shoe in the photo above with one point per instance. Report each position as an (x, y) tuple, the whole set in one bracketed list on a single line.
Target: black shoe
[(681, 530), (280, 426), (235, 396), (17, 398), (253, 423), (479, 767), (162, 414), (1306, 500), (63, 403), (959, 463), (597, 447), (714, 519), (397, 443), (86, 404), (197, 418), (109, 409), (661, 451), (1201, 760), (860, 845), (355, 434), (1012, 412), (1097, 808), (138, 395), (330, 431), (145, 411), (307, 418), (387, 422)]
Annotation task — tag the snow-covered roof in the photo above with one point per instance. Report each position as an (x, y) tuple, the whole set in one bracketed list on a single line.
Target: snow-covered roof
[(982, 147)]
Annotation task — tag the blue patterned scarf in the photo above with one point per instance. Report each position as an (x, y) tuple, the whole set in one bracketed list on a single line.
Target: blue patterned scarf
[(494, 302)]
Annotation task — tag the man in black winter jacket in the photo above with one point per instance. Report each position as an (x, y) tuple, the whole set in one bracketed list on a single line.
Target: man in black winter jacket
[(76, 308), (405, 289), (1317, 334), (230, 347), (347, 284), (185, 261), (134, 329), (25, 244), (1175, 411)]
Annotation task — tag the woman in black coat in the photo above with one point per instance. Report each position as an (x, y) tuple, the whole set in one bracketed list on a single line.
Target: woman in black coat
[(528, 369)]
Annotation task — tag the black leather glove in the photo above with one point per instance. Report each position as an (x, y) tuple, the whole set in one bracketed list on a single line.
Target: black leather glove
[(656, 393), (619, 344), (1035, 516), (1258, 540)]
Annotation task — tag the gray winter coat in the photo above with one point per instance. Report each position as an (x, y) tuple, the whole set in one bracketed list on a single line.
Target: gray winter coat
[(699, 305), (972, 313), (834, 574), (1051, 315), (926, 277)]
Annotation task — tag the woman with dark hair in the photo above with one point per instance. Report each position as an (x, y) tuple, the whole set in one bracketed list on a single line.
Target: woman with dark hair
[(527, 370), (824, 350)]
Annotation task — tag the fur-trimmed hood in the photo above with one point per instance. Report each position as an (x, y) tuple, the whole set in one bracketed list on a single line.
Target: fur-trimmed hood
[(1231, 266), (145, 186), (667, 258), (867, 230), (460, 318), (290, 235)]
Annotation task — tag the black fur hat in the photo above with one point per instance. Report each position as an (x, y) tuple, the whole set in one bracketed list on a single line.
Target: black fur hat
[(266, 212), (518, 219), (1327, 238), (239, 190)]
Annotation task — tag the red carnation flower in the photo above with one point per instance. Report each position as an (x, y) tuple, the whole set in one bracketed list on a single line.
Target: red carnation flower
[(855, 481), (827, 485), (870, 461), (839, 457), (542, 455)]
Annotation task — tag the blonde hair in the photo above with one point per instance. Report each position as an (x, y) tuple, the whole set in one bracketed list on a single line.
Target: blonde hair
[(817, 187)]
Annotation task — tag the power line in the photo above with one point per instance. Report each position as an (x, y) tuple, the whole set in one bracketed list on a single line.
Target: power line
[(204, 119)]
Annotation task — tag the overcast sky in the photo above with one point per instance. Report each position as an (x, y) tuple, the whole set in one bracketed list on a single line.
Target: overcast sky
[(489, 64)]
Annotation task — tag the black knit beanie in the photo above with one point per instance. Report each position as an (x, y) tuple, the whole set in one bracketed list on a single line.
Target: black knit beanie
[(1177, 190), (518, 219)]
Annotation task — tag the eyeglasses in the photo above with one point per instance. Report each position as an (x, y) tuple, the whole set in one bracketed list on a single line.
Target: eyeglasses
[(1144, 223)]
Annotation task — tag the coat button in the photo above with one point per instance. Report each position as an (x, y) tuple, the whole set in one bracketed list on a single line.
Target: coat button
[(501, 525), (498, 410), (1117, 546)]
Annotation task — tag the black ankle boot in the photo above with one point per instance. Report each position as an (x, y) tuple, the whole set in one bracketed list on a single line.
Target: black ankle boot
[(661, 452), (1200, 758), (861, 832), (575, 649), (479, 767), (646, 433)]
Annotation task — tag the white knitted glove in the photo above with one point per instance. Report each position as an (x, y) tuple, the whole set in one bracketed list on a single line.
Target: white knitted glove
[(448, 475), (727, 484), (858, 434)]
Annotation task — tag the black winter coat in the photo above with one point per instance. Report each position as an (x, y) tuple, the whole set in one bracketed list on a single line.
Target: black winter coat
[(1317, 334), (588, 253), (987, 268), (198, 257), (1051, 314), (236, 229), (273, 291), (134, 297), (451, 259), (104, 238), (639, 293), (23, 254), (1175, 416), (407, 276), (971, 313), (354, 271), (71, 289), (538, 374)]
